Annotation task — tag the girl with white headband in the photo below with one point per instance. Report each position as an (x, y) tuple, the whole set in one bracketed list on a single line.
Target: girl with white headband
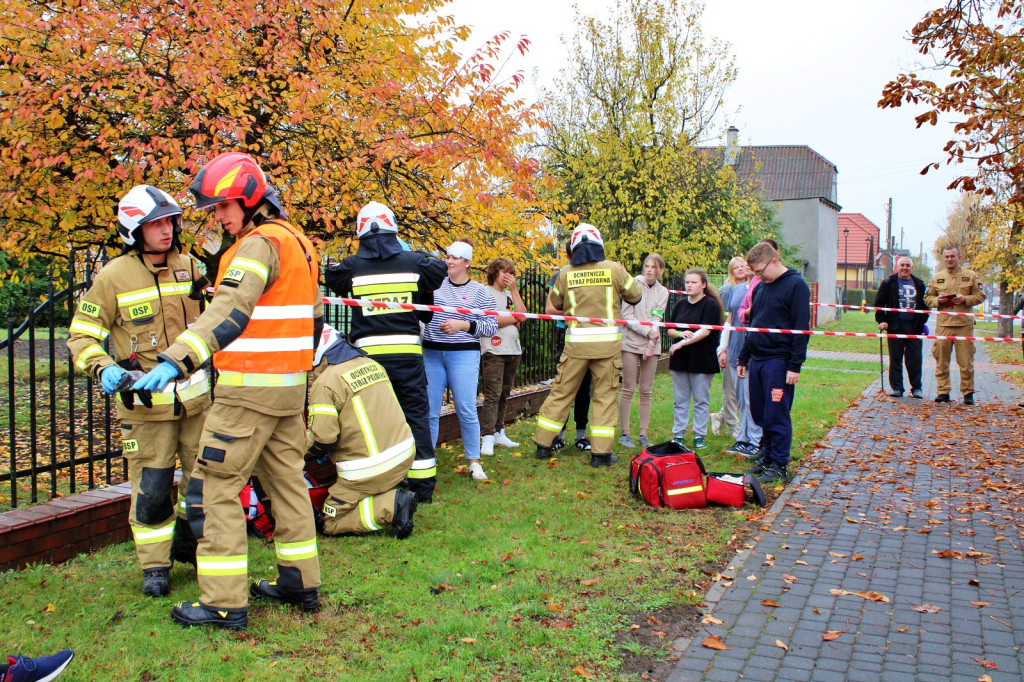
[(451, 350)]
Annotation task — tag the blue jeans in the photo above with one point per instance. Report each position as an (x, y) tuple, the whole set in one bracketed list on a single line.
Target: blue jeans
[(460, 371), (749, 432), (771, 399)]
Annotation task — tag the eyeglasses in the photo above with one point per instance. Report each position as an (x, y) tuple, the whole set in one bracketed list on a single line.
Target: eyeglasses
[(760, 272)]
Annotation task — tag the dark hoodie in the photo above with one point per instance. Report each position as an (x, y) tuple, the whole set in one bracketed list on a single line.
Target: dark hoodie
[(782, 304)]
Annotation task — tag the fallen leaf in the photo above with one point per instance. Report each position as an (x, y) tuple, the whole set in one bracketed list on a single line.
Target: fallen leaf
[(710, 620), (857, 557), (751, 577), (789, 578), (981, 603), (469, 640), (782, 645), (769, 602), (49, 608), (849, 520), (926, 608), (562, 625), (583, 672), (837, 555), (870, 596), (801, 562), (986, 664), (589, 583), (985, 678), (636, 560), (714, 642), (554, 607), (832, 635), (974, 581), (902, 628)]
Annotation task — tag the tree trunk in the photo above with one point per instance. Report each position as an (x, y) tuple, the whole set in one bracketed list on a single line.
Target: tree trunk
[(1005, 327)]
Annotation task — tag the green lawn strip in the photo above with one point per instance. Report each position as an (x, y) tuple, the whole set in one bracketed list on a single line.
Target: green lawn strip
[(496, 581), (827, 363), (1004, 352), (850, 322)]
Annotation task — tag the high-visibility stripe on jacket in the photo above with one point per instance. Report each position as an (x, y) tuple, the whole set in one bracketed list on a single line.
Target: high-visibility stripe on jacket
[(353, 407), (278, 338), (594, 289)]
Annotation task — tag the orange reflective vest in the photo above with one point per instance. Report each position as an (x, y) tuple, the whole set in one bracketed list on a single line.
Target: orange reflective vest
[(279, 336)]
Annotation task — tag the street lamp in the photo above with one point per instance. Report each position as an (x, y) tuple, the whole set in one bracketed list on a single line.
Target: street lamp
[(846, 260), (867, 265)]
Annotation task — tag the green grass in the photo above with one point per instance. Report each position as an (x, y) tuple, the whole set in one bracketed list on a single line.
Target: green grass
[(490, 585), (828, 363), (850, 322)]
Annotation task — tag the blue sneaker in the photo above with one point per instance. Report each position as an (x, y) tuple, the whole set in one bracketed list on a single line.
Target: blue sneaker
[(699, 443), (736, 448), (38, 669)]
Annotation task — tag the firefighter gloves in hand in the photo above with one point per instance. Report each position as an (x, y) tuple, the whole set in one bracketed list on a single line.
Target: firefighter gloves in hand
[(157, 378)]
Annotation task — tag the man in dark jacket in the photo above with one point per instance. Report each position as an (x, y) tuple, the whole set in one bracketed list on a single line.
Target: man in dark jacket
[(773, 361), (904, 291)]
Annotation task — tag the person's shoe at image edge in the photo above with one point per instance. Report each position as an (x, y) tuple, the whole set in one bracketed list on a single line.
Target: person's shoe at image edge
[(41, 669)]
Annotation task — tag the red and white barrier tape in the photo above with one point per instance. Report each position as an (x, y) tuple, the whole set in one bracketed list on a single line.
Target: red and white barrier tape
[(994, 316), (669, 325)]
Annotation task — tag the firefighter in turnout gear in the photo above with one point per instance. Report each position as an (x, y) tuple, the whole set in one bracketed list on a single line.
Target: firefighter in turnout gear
[(381, 271), (260, 328), (142, 300), (356, 422), (590, 287)]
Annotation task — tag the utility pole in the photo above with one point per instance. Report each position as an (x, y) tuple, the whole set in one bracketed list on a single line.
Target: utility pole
[(888, 235)]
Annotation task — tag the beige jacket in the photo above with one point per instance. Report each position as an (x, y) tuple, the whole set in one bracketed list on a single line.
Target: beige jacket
[(961, 281), (142, 308), (650, 308)]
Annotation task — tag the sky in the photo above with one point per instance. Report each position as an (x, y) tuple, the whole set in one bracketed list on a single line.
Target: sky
[(810, 73)]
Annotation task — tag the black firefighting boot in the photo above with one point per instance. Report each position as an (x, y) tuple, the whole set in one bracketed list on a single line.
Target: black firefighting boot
[(543, 451), (195, 613), (401, 520), (308, 600), (602, 460), (155, 582)]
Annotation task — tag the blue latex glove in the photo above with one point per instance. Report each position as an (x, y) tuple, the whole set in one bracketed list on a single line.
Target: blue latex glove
[(109, 378), (156, 378)]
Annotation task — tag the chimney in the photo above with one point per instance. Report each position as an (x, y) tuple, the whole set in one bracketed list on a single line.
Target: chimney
[(732, 150)]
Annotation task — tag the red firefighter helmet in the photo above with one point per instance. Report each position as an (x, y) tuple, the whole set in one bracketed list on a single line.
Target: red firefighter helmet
[(233, 175)]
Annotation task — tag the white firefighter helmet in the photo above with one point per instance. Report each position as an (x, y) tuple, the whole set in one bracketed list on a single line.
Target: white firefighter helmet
[(144, 204), (585, 232), (374, 218)]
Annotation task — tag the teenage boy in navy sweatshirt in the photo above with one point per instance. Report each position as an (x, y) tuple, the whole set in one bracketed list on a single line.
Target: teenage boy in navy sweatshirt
[(773, 361)]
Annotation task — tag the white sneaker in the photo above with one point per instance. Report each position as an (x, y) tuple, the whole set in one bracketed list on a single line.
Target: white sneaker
[(476, 472), (504, 441), (487, 445)]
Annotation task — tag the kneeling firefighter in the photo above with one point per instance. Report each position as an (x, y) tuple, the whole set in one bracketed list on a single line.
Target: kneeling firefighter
[(143, 299), (357, 423)]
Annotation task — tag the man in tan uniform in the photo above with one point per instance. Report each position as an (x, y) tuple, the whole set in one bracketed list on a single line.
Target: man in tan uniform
[(142, 300), (954, 289), (590, 287), (357, 423), (261, 329)]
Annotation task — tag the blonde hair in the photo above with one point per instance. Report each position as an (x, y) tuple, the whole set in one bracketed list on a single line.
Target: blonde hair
[(731, 278), (658, 260)]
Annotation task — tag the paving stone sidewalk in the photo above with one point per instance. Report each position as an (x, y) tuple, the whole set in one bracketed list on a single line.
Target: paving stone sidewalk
[(894, 505)]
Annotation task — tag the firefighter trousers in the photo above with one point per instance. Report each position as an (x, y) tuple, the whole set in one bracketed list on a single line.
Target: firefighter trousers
[(409, 379), (355, 507), (237, 442), (150, 448), (606, 374), (964, 351)]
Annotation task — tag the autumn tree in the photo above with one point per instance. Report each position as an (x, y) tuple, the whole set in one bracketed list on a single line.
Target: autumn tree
[(641, 91), (964, 228), (971, 76), (341, 102)]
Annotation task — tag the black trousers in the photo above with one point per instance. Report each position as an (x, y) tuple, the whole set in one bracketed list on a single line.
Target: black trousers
[(409, 380), (904, 352), (581, 405)]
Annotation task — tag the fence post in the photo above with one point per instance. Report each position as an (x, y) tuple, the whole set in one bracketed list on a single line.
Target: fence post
[(33, 431), (10, 405), (52, 349)]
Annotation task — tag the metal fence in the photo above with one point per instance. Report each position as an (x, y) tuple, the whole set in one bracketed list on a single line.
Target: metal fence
[(59, 429)]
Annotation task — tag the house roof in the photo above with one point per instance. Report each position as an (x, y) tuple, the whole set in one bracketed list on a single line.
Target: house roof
[(862, 234), (789, 172)]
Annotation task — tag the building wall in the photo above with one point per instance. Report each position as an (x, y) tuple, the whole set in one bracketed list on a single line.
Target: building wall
[(812, 225)]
